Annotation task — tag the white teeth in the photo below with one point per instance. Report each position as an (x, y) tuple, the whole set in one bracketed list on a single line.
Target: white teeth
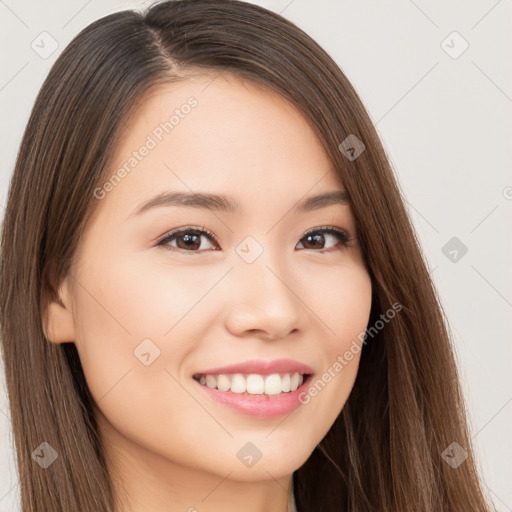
[(238, 384), (223, 383), (286, 383), (295, 382), (211, 381), (254, 384), (273, 384)]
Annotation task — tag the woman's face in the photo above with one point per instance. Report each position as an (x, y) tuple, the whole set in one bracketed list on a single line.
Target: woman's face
[(151, 312)]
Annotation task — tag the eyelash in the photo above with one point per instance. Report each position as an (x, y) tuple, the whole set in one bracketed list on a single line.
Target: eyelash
[(342, 236)]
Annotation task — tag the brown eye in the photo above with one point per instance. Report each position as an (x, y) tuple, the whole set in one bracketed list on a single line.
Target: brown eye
[(316, 239), (187, 239)]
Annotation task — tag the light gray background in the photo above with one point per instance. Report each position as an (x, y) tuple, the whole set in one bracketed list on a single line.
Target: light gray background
[(446, 124)]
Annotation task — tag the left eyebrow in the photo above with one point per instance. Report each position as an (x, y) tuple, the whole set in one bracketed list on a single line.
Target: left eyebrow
[(218, 202), (322, 200)]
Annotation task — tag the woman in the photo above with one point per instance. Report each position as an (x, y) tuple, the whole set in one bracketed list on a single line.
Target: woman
[(211, 295)]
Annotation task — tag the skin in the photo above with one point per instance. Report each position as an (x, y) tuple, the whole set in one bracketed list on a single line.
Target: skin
[(172, 446)]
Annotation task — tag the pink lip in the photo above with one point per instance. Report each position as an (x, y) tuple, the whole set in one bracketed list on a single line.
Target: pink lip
[(261, 406), (261, 367)]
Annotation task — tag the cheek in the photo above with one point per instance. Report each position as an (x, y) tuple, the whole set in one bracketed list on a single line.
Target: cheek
[(340, 299), (115, 313), (131, 312), (135, 298), (343, 305), (156, 298), (123, 315)]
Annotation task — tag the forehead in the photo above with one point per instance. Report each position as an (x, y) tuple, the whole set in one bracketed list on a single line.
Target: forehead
[(217, 133)]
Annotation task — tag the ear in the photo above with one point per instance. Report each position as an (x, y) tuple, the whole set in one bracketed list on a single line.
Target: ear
[(58, 324)]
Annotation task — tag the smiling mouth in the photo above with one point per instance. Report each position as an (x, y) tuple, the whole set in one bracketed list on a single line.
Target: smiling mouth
[(254, 383)]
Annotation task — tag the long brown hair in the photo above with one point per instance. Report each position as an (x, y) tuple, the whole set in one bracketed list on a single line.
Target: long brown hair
[(384, 451)]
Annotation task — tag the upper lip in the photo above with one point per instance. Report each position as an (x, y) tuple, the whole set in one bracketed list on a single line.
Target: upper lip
[(261, 367)]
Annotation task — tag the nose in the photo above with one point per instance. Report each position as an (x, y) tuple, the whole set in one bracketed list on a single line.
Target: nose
[(263, 300)]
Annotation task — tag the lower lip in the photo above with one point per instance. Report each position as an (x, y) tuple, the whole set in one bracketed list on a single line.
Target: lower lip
[(261, 406)]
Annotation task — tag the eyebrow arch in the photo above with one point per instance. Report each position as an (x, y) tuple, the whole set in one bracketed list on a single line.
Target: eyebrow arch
[(217, 202)]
